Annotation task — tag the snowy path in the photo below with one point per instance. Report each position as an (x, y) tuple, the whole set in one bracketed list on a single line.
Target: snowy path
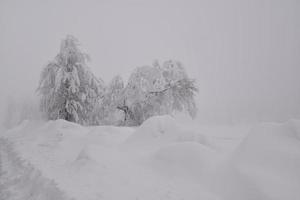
[(20, 180)]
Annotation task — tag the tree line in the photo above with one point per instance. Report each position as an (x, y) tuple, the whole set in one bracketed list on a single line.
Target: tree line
[(69, 90)]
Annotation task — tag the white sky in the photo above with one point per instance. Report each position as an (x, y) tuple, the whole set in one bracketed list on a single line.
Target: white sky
[(245, 54)]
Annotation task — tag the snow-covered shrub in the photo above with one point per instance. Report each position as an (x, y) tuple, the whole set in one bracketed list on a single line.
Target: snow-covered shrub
[(67, 87)]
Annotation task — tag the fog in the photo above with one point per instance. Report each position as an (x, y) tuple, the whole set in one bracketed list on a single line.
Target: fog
[(244, 54)]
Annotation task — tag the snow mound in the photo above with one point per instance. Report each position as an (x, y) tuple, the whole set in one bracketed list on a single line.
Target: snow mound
[(266, 165), (161, 130), (108, 135), (61, 123)]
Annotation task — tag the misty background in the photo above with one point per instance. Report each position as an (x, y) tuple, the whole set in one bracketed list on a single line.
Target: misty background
[(244, 54)]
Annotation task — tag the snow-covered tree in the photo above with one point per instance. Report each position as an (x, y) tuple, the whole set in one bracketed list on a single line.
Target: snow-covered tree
[(107, 111), (141, 81), (115, 89), (67, 87), (157, 90), (179, 89), (94, 113)]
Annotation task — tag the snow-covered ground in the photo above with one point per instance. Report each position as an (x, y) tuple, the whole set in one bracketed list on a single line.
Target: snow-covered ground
[(164, 158)]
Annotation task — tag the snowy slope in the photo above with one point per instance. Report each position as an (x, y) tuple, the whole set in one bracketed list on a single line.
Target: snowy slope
[(162, 159)]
